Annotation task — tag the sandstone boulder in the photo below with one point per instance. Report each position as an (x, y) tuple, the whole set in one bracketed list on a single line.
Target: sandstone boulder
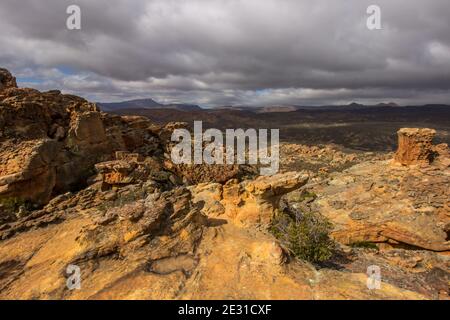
[(132, 168), (28, 171), (248, 203), (86, 128), (83, 136), (415, 146)]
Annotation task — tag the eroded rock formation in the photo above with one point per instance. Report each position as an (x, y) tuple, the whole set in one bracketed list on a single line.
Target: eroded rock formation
[(50, 143), (415, 146), (390, 205), (248, 203), (132, 168)]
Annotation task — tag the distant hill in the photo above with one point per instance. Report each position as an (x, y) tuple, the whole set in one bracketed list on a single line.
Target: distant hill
[(293, 108), (145, 104), (390, 104)]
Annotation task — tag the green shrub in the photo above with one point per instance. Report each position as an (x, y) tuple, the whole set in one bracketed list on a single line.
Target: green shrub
[(304, 195), (306, 235), (13, 204), (307, 195)]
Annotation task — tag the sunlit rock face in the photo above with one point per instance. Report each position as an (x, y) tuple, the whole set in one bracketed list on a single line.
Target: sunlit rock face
[(415, 146)]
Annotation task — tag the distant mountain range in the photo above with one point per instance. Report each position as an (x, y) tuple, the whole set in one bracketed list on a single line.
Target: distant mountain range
[(150, 104), (145, 104)]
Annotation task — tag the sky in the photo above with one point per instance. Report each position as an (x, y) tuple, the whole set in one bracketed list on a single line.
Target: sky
[(232, 52)]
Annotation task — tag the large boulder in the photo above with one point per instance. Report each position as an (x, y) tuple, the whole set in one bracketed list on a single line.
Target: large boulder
[(28, 171), (87, 128), (415, 146), (250, 202)]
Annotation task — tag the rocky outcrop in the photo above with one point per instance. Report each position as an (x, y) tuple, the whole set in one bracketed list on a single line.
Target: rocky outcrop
[(320, 159), (415, 146), (86, 129), (390, 205), (199, 173), (151, 241), (126, 169), (29, 170), (248, 203), (6, 80), (132, 168), (50, 143), (139, 243)]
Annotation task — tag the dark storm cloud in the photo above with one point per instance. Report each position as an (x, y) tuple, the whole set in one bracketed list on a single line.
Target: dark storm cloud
[(217, 52)]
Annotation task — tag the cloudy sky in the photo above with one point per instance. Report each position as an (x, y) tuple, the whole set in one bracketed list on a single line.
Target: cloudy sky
[(232, 52)]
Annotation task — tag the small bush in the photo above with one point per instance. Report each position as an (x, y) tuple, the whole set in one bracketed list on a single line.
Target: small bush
[(304, 195), (13, 204), (307, 195), (306, 235)]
